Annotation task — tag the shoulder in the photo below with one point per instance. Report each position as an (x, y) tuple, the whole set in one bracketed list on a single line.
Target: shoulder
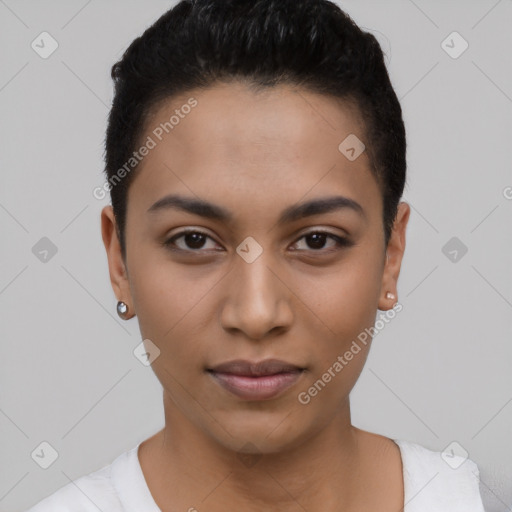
[(88, 493), (439, 480)]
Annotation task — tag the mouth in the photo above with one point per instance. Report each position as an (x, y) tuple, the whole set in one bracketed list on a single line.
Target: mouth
[(256, 381)]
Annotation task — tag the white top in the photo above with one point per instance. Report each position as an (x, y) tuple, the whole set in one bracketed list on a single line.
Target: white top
[(430, 484)]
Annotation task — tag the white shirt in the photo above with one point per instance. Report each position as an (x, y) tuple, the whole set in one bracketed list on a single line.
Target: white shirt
[(430, 485)]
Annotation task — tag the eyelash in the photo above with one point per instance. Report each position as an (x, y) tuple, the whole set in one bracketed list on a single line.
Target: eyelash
[(340, 241)]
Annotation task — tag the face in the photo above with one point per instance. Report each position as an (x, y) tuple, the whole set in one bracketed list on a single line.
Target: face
[(260, 275)]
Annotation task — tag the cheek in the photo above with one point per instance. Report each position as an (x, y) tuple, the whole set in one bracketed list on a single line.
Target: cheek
[(344, 301), (164, 298)]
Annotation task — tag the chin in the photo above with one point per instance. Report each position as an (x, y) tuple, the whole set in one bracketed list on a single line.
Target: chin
[(259, 432)]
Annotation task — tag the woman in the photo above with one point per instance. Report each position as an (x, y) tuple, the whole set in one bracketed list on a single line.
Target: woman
[(256, 158)]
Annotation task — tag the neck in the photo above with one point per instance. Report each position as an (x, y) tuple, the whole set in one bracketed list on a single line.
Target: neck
[(189, 469)]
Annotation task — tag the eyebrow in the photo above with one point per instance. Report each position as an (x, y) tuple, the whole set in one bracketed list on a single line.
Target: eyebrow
[(293, 213)]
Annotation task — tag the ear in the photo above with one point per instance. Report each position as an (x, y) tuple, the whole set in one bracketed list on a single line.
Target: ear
[(394, 253), (116, 264)]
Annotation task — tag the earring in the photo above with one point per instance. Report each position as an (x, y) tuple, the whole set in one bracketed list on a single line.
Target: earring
[(390, 295), (122, 309)]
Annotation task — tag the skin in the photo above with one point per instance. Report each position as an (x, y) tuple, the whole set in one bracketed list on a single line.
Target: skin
[(254, 154)]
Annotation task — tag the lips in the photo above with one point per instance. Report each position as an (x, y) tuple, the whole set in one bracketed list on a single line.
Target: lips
[(256, 380), (248, 369)]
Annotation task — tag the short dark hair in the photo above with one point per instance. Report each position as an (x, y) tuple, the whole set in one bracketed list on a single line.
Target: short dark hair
[(308, 43)]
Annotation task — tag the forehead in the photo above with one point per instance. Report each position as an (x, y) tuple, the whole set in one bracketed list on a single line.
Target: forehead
[(272, 145)]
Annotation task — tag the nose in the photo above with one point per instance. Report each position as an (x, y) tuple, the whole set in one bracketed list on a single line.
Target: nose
[(257, 301)]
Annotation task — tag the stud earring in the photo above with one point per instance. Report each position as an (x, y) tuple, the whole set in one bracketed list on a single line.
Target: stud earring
[(390, 295), (122, 309)]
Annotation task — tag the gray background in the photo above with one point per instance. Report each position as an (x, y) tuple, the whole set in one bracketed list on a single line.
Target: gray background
[(439, 372)]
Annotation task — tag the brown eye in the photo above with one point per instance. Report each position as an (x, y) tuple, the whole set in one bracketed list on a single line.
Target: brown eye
[(316, 241), (193, 240)]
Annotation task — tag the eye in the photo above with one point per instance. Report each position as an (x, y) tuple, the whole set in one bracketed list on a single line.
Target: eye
[(316, 241), (192, 241)]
